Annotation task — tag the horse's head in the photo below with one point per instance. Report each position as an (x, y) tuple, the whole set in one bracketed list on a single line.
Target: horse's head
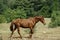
[(41, 19)]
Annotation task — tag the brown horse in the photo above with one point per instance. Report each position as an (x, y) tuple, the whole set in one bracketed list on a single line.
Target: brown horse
[(26, 23)]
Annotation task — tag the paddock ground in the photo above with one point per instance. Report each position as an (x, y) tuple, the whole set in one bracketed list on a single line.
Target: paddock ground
[(41, 32)]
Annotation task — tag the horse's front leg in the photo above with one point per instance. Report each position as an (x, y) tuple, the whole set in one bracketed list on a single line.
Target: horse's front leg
[(19, 32), (31, 32)]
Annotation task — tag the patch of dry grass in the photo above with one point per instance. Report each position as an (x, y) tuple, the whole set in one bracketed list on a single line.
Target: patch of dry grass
[(41, 32)]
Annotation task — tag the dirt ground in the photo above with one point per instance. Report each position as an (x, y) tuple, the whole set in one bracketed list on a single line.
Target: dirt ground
[(41, 32)]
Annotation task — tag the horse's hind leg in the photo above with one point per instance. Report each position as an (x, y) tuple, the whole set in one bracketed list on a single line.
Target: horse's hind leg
[(19, 32), (12, 32)]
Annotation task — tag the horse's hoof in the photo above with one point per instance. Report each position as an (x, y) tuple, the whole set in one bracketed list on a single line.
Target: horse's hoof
[(21, 37), (29, 37)]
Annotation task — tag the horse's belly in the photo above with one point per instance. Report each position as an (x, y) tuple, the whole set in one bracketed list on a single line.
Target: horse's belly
[(25, 25)]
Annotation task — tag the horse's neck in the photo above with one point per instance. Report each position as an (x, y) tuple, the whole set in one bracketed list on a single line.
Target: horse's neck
[(36, 21)]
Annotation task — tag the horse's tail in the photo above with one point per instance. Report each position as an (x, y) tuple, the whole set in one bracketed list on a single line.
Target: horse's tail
[(12, 27)]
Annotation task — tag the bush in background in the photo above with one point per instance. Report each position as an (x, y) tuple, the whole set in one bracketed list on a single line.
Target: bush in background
[(55, 21), (2, 19), (13, 14)]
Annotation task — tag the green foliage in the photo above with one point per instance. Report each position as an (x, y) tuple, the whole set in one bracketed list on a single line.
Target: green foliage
[(20, 13), (34, 7), (13, 9), (55, 19), (2, 19), (13, 14)]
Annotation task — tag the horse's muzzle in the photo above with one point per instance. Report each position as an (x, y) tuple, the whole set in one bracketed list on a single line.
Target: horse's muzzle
[(44, 23)]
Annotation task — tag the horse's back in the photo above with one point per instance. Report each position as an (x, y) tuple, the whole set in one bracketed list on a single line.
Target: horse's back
[(24, 22)]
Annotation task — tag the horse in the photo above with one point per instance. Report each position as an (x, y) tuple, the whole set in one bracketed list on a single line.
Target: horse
[(26, 23)]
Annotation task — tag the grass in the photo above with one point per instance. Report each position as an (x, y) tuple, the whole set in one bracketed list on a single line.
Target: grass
[(41, 32)]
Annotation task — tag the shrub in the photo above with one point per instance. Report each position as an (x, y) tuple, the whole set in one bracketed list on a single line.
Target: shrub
[(13, 14), (2, 19), (55, 21)]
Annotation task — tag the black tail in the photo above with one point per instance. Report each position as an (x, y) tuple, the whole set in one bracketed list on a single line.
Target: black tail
[(11, 27)]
